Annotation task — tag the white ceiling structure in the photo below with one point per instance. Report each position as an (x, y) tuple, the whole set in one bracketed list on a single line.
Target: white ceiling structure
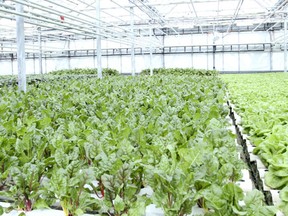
[(76, 19)]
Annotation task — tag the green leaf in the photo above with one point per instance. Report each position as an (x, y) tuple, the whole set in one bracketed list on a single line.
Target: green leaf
[(284, 194), (79, 212), (254, 197), (274, 181), (40, 204), (233, 193), (237, 212), (45, 122), (201, 184), (119, 204), (284, 207)]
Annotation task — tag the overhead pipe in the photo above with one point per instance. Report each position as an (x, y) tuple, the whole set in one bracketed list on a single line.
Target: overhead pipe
[(240, 3), (61, 5), (273, 26), (196, 15), (270, 14), (152, 17), (56, 22), (43, 8), (90, 5), (134, 14), (40, 7), (260, 4)]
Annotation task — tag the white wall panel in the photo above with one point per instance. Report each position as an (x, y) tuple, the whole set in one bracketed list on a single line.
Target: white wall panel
[(230, 62), (184, 40), (199, 39), (126, 64), (5, 68), (30, 67), (254, 61), (231, 38), (254, 37), (158, 61), (114, 62), (200, 60), (178, 60), (140, 63), (250, 61), (219, 61), (278, 61)]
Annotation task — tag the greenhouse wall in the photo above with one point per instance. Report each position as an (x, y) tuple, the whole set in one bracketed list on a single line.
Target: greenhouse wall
[(224, 61)]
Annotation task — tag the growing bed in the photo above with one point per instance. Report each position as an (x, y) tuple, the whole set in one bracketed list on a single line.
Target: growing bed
[(125, 133)]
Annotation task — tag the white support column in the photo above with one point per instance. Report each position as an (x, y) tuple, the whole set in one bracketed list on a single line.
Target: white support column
[(40, 50), (285, 43), (270, 51), (21, 49), (121, 59), (207, 55), (192, 51), (34, 63), (45, 60), (239, 57), (94, 53), (163, 54), (133, 41), (12, 60), (69, 53), (151, 55), (99, 51)]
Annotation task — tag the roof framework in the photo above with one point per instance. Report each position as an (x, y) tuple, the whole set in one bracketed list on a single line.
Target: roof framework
[(76, 19)]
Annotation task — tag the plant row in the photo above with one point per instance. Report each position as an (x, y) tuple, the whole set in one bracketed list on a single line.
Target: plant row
[(37, 78), (95, 145), (261, 100), (83, 71), (181, 71)]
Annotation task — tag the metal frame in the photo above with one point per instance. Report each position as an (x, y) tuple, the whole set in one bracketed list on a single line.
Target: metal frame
[(130, 22), (80, 23), (204, 48)]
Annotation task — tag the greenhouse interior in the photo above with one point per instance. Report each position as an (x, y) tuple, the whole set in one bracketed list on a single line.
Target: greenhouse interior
[(143, 108)]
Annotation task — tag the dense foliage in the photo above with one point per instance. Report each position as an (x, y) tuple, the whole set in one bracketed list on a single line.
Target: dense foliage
[(65, 140), (82, 71), (261, 100), (180, 71)]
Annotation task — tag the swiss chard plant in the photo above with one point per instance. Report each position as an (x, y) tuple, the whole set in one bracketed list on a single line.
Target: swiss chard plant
[(96, 145)]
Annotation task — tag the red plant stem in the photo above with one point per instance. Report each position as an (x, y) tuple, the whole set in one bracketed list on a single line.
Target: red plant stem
[(102, 188), (169, 200), (28, 204)]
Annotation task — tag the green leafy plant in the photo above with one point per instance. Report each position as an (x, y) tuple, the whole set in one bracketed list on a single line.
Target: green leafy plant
[(68, 183), (261, 101), (85, 71), (180, 71), (96, 145)]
